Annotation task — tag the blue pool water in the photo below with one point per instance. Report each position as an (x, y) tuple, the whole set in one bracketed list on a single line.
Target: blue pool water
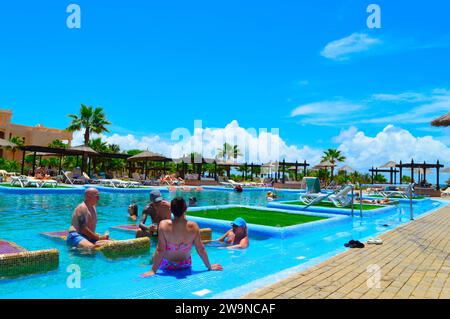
[(23, 217)]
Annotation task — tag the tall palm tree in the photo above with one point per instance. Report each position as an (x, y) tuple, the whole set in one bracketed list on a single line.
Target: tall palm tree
[(16, 140), (225, 152), (92, 120), (333, 156)]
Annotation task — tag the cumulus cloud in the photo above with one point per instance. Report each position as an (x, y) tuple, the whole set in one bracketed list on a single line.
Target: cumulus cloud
[(391, 144), (256, 145), (261, 146), (343, 48)]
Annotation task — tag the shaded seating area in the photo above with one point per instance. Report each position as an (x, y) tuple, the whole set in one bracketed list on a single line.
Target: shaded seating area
[(281, 174), (389, 167), (421, 169), (144, 158)]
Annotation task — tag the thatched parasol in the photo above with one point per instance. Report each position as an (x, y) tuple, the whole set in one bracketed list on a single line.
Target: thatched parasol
[(148, 156), (324, 164), (82, 149), (444, 120), (347, 169), (5, 143), (389, 165)]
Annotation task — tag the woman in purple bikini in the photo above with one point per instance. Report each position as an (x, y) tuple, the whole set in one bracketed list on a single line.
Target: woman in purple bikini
[(175, 240)]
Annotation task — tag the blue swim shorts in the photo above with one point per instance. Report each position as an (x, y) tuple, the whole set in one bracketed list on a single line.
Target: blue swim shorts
[(74, 239)]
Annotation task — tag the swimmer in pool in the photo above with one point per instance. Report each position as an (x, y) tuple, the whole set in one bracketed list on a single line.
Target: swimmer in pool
[(237, 236), (158, 209), (133, 212), (84, 221), (271, 196), (176, 238), (192, 201)]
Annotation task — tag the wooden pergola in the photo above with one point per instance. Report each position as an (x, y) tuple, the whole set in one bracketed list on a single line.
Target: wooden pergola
[(147, 156), (424, 166), (197, 164), (391, 170), (283, 165), (61, 152)]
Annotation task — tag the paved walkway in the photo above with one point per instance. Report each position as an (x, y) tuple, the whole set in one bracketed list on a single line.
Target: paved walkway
[(413, 262)]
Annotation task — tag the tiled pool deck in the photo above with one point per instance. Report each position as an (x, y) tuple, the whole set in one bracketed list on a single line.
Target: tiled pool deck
[(413, 262)]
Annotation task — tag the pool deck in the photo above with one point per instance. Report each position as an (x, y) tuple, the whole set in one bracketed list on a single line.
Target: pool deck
[(413, 261)]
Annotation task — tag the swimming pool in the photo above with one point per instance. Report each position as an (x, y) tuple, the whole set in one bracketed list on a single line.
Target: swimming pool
[(23, 217)]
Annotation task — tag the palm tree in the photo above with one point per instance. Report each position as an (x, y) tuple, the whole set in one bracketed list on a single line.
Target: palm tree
[(236, 152), (91, 120), (16, 140), (57, 144), (113, 148), (333, 156), (98, 145), (226, 151)]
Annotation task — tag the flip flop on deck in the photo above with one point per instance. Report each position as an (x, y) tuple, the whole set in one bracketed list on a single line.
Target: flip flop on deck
[(375, 241), (16, 260), (114, 249)]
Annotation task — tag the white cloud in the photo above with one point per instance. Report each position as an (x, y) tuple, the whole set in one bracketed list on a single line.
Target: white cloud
[(391, 144), (437, 102), (257, 146), (411, 97), (327, 112), (362, 151), (343, 48)]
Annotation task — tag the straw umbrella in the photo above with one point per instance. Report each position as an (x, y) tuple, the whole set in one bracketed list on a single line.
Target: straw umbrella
[(84, 151), (444, 120), (347, 169), (389, 164), (147, 156)]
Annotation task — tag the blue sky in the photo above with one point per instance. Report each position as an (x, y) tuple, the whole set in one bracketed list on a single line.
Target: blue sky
[(312, 69)]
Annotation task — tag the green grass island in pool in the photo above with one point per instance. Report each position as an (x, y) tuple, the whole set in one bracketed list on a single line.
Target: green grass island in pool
[(331, 205), (256, 216)]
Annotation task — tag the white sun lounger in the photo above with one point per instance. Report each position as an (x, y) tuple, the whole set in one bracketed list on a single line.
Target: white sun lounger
[(341, 198)]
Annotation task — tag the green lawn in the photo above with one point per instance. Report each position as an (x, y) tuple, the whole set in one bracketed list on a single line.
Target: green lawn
[(256, 216), (46, 186), (397, 196), (331, 205)]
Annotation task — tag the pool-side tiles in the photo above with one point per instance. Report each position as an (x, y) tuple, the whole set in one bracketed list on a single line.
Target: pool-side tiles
[(17, 261), (115, 249)]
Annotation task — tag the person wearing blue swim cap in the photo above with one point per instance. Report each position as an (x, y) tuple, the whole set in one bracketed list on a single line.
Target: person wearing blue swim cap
[(237, 236)]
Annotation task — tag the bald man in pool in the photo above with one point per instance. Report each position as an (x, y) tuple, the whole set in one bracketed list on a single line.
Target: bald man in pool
[(84, 221)]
